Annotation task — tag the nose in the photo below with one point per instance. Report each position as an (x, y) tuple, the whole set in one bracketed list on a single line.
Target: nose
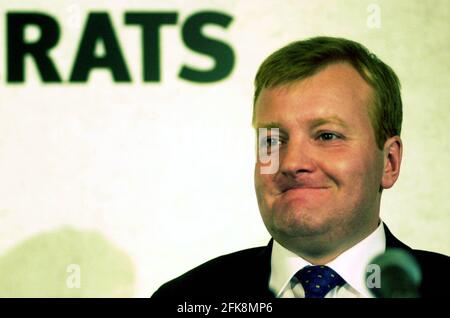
[(296, 159)]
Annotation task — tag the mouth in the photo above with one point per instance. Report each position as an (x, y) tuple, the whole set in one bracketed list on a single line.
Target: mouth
[(302, 189)]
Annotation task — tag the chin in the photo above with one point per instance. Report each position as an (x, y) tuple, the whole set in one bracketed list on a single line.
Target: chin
[(302, 224)]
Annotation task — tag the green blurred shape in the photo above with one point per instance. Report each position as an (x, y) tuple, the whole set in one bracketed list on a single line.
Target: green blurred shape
[(66, 263)]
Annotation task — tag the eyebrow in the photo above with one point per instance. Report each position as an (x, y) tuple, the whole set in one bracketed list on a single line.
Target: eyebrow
[(268, 125), (328, 120), (314, 123)]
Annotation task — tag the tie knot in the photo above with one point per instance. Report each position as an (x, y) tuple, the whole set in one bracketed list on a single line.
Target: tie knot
[(317, 281)]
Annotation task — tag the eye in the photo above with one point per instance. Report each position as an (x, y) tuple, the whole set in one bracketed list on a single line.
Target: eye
[(328, 136), (270, 141)]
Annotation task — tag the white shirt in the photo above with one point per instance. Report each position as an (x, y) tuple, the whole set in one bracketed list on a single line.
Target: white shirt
[(350, 265)]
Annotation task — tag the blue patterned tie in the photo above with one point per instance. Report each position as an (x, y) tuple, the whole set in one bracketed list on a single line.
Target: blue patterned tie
[(317, 281)]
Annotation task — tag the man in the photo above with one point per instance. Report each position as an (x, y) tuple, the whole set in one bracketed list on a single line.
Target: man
[(328, 115)]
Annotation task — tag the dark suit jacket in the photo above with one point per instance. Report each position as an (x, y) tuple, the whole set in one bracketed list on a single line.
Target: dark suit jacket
[(247, 273)]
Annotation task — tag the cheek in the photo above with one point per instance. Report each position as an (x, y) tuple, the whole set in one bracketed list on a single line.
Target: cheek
[(257, 176), (259, 181), (353, 171), (264, 186)]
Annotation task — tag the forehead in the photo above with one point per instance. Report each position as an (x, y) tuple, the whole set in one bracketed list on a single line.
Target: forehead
[(337, 91)]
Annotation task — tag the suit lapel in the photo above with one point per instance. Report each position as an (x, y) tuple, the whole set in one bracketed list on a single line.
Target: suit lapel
[(392, 241), (262, 271)]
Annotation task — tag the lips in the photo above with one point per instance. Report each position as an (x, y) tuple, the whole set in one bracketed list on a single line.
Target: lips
[(304, 194), (287, 188), (305, 188)]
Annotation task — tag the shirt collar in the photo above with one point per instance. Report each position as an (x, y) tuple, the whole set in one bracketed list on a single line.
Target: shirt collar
[(351, 264)]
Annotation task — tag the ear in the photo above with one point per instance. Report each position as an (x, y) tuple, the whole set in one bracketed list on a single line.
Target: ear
[(392, 155)]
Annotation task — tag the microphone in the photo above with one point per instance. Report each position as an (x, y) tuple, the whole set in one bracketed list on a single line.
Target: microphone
[(394, 274)]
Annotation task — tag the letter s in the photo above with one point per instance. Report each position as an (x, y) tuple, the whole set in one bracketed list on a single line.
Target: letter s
[(221, 52)]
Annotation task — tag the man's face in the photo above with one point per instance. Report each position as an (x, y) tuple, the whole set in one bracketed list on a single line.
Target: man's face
[(326, 190)]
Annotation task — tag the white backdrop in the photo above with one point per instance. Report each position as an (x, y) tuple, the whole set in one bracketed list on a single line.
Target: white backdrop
[(139, 182)]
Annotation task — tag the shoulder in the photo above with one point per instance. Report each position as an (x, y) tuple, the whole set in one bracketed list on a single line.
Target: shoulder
[(225, 275), (432, 259), (433, 266), (431, 262)]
